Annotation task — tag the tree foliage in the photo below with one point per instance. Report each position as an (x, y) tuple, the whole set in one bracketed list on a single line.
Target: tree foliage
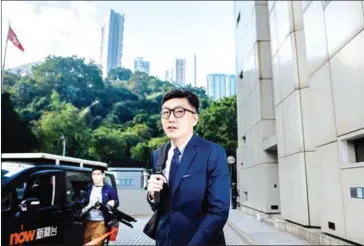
[(16, 136), (115, 120), (119, 73), (218, 123)]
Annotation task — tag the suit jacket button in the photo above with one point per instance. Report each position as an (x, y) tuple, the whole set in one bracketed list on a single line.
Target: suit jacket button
[(171, 210)]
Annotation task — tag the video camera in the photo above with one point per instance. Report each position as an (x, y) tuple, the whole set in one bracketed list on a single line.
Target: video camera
[(116, 214), (82, 207)]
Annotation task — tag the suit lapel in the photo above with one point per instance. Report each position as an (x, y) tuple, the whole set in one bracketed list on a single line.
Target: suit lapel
[(187, 158)]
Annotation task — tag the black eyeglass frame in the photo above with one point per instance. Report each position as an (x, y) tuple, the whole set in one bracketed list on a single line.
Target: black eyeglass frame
[(173, 110)]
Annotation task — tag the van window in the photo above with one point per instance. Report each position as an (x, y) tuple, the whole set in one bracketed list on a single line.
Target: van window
[(12, 195), (42, 186), (20, 189), (9, 169), (76, 185), (6, 201), (107, 180)]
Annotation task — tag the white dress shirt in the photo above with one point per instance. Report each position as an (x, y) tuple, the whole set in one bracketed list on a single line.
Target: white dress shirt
[(170, 156)]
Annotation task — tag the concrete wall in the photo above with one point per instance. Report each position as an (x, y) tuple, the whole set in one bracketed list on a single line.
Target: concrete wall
[(257, 168), (314, 68), (129, 179), (292, 101), (134, 202)]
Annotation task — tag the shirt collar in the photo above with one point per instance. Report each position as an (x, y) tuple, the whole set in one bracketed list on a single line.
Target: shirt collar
[(183, 146)]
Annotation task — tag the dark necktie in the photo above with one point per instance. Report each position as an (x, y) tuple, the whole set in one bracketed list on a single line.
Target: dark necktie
[(174, 167)]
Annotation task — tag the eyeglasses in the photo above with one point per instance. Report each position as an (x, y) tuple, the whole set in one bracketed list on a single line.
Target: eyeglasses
[(177, 112)]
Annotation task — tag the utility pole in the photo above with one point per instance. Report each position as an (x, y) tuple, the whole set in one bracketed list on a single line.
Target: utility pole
[(6, 47), (64, 145)]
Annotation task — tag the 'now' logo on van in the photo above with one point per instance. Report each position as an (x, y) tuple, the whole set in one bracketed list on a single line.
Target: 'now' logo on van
[(21, 237)]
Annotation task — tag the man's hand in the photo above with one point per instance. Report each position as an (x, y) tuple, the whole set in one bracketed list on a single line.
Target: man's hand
[(111, 203), (155, 184)]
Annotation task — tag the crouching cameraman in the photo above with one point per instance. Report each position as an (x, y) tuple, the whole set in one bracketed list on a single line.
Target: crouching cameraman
[(97, 221)]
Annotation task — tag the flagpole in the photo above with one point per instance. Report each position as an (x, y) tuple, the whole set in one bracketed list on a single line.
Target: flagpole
[(6, 46)]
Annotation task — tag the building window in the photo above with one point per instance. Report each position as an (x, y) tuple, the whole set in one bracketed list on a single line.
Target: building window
[(359, 149), (352, 148)]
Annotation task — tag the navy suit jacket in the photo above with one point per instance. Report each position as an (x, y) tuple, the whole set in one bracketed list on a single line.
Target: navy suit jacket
[(195, 210)]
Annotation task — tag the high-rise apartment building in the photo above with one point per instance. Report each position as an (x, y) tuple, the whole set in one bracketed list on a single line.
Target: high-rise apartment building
[(169, 75), (216, 85), (166, 75), (140, 65), (230, 85), (112, 42), (221, 85), (181, 71)]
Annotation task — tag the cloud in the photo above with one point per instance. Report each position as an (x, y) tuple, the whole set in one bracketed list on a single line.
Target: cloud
[(45, 29)]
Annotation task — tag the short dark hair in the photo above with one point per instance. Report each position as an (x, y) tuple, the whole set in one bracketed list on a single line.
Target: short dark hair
[(176, 93), (99, 168)]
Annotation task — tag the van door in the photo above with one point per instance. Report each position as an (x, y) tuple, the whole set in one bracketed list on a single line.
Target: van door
[(36, 209), (76, 184), (110, 180)]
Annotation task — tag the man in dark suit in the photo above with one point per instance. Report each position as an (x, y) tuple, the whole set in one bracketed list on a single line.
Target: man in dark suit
[(195, 184)]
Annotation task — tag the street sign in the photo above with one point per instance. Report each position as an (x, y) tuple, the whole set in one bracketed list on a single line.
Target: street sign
[(231, 159)]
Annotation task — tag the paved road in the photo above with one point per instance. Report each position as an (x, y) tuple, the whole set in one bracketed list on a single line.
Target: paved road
[(135, 236)]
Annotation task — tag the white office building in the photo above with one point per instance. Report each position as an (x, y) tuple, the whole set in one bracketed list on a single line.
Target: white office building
[(300, 96)]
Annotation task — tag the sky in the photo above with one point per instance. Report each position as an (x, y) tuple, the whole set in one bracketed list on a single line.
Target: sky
[(157, 31)]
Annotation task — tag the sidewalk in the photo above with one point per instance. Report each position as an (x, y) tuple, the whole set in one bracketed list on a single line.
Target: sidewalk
[(135, 236), (260, 233)]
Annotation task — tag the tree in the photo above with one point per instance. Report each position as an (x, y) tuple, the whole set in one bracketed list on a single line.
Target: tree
[(113, 146), (76, 81), (140, 118), (141, 130), (56, 102), (142, 152), (67, 122), (119, 73), (123, 112), (107, 144), (16, 137), (9, 78), (218, 124), (155, 143), (201, 94), (138, 84), (122, 129)]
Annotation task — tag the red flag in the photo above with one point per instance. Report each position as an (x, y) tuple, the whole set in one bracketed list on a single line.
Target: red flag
[(14, 39)]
